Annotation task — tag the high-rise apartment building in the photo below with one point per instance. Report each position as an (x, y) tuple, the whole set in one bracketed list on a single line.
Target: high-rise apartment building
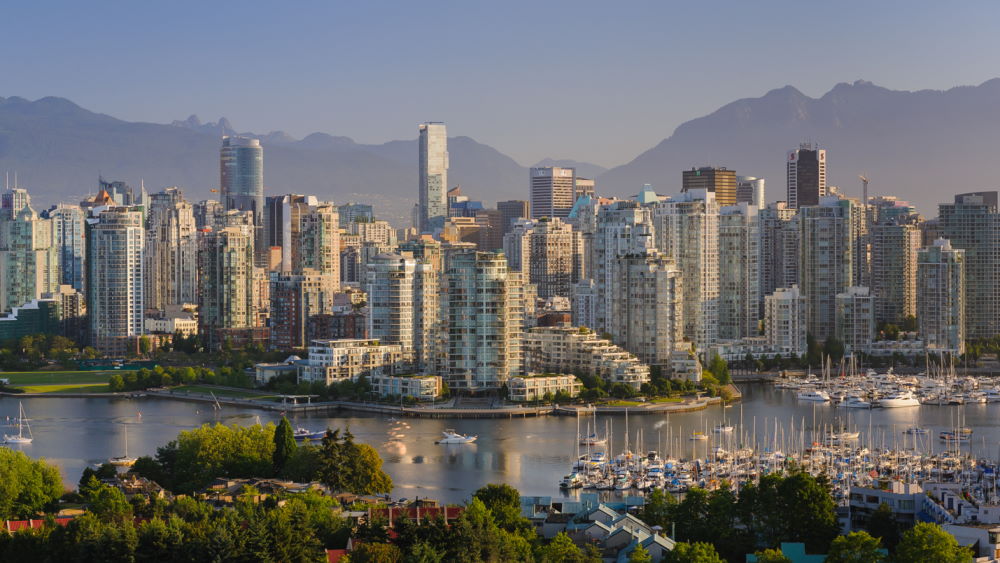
[(687, 231), (351, 212), (785, 321), (511, 211), (972, 223), (647, 312), (317, 244), (296, 300), (115, 278), (739, 271), (403, 305), (171, 251), (826, 260), (226, 296), (895, 241), (855, 319), (70, 241), (550, 252), (806, 175), (941, 297), (282, 217), (12, 201), (485, 311), (29, 263), (241, 165), (719, 181), (205, 212), (750, 190), (779, 248), (552, 191), (433, 165)]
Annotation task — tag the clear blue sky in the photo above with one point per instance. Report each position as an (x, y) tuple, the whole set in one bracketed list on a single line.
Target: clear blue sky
[(594, 81)]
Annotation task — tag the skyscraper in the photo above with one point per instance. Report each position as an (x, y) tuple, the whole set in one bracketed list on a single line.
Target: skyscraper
[(785, 321), (647, 315), (750, 189), (282, 216), (552, 191), (29, 263), (296, 300), (226, 281), (317, 245), (779, 248), (70, 241), (171, 251), (115, 276), (511, 211), (403, 306), (806, 174), (739, 271), (433, 164), (720, 181), (550, 252), (940, 297), (972, 223), (241, 165), (855, 319), (826, 260), (894, 244)]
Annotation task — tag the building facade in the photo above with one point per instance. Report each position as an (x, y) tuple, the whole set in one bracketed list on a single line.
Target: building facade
[(552, 191), (806, 176), (433, 164), (241, 166), (171, 251), (115, 278), (941, 297), (785, 321), (972, 223), (855, 319)]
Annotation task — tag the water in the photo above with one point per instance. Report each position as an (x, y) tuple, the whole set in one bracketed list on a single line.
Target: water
[(531, 454)]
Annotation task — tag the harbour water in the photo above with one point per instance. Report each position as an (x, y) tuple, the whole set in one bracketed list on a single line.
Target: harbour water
[(531, 454)]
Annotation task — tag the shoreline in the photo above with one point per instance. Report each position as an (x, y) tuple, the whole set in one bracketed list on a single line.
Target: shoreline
[(688, 405)]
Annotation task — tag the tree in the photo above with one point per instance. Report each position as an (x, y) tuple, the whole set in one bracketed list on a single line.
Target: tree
[(346, 466), (771, 556), (882, 525), (793, 508), (560, 550), (376, 553), (929, 542), (720, 369), (698, 552), (640, 554), (107, 502), (284, 445), (145, 346), (116, 383), (27, 486), (657, 509), (834, 348), (814, 352), (856, 547)]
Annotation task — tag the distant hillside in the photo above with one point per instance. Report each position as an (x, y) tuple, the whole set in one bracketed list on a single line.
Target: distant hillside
[(922, 146)]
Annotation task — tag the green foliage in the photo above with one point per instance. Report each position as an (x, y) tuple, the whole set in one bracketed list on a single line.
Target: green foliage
[(720, 369), (698, 552), (929, 542), (658, 508), (771, 556), (882, 525), (793, 508), (833, 348), (856, 547), (376, 553), (106, 502), (560, 550), (347, 466), (27, 486), (284, 445), (640, 555)]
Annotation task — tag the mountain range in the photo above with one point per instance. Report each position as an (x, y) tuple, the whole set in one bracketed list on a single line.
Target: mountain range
[(922, 146)]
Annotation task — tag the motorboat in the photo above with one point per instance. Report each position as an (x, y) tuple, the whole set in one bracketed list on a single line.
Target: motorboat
[(949, 436), (722, 429), (301, 434), (452, 437), (853, 402), (915, 430), (699, 436), (592, 440), (124, 460), (22, 425), (813, 395), (898, 400), (571, 481)]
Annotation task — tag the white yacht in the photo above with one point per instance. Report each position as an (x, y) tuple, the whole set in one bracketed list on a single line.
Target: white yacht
[(899, 399), (452, 437), (22, 424), (124, 460), (813, 395), (853, 402), (722, 429)]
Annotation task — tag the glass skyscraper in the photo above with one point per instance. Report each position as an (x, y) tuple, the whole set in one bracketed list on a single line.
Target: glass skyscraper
[(241, 165), (433, 176)]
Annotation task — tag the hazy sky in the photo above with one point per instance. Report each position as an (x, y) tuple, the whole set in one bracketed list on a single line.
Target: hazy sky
[(593, 81)]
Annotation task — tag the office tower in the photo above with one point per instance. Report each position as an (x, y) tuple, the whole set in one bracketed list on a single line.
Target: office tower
[(490, 223), (647, 311), (687, 231), (750, 190), (826, 249), (550, 252), (584, 187), (941, 297), (855, 319), (511, 211), (622, 228), (241, 165), (433, 144), (739, 271), (779, 248), (806, 174), (282, 216), (719, 181), (484, 310), (297, 300), (115, 272), (552, 189), (894, 244), (12, 201), (785, 321), (403, 305), (171, 251), (317, 244), (205, 212), (354, 212), (226, 280), (29, 263), (70, 241), (972, 223)]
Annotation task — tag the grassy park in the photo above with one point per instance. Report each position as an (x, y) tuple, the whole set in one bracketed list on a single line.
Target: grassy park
[(58, 381)]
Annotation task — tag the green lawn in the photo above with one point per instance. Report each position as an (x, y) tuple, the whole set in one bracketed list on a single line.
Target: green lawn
[(18, 378), (238, 393), (66, 388)]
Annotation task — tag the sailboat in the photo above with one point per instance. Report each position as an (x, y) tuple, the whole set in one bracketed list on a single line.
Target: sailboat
[(124, 460), (22, 424)]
